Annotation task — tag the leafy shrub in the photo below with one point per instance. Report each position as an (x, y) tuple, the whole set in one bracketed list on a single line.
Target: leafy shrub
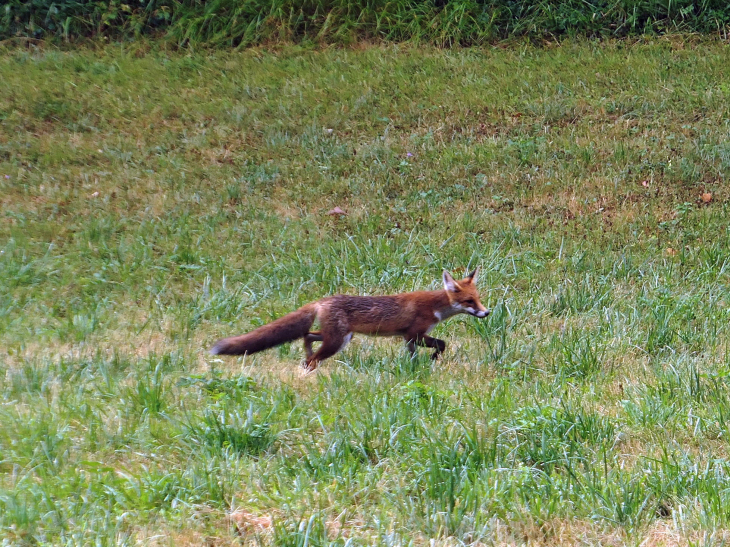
[(443, 22)]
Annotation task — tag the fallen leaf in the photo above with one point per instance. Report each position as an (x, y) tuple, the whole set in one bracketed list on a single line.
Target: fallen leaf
[(706, 197), (645, 183), (244, 520), (336, 211), (670, 252)]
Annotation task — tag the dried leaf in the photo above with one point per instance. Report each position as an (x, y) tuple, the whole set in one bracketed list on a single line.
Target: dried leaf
[(245, 520), (706, 197), (336, 211)]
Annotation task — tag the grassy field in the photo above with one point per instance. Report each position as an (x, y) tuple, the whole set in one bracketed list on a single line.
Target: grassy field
[(152, 202)]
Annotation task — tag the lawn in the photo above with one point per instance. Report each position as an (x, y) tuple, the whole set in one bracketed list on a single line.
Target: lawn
[(154, 201)]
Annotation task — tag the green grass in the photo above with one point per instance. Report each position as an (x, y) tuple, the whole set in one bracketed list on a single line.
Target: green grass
[(229, 23), (152, 202)]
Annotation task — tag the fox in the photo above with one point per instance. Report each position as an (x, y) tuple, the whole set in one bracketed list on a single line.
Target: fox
[(409, 315)]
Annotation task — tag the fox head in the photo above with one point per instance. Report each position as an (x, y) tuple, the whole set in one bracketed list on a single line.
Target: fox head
[(464, 296)]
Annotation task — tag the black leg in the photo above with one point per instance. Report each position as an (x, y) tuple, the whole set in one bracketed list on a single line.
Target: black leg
[(426, 341)]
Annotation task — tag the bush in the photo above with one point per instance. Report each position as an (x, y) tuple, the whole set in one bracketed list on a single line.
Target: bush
[(442, 22)]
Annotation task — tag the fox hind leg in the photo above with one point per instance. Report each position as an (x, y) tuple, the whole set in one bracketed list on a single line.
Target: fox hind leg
[(331, 344), (315, 336)]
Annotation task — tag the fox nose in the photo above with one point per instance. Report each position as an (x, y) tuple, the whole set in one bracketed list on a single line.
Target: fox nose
[(482, 314)]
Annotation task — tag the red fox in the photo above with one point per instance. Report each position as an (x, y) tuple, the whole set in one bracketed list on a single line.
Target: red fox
[(410, 315)]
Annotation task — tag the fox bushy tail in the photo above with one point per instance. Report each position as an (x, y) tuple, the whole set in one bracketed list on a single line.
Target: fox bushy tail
[(285, 329)]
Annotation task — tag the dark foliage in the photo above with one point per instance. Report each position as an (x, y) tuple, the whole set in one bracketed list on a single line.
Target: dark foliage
[(442, 22)]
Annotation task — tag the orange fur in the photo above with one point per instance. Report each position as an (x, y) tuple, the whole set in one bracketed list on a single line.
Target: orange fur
[(410, 315)]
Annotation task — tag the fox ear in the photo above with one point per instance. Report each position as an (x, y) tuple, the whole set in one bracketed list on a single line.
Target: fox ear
[(473, 276), (449, 283)]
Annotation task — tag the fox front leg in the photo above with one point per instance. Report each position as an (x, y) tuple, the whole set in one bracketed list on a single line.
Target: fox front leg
[(426, 341)]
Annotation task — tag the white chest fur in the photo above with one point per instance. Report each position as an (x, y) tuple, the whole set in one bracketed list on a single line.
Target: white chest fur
[(440, 315), (445, 313)]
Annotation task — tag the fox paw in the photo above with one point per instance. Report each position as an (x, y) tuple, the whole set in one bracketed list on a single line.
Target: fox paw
[(309, 367)]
